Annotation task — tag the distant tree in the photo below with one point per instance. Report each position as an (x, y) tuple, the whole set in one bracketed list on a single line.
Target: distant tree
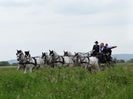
[(131, 60), (114, 59), (14, 64), (121, 61), (4, 63), (118, 60)]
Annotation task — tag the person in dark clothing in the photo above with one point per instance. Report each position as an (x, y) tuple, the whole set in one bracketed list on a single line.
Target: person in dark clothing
[(108, 51), (95, 49)]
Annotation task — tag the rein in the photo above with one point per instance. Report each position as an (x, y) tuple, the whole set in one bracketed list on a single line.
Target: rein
[(56, 60), (33, 63)]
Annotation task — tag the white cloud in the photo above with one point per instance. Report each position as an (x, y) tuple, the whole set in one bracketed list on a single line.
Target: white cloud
[(78, 7), (22, 1), (64, 25), (16, 0)]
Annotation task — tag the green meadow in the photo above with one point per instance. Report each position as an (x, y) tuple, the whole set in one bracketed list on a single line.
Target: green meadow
[(67, 83)]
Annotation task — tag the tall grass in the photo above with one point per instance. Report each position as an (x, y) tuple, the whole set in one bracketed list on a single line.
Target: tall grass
[(67, 83)]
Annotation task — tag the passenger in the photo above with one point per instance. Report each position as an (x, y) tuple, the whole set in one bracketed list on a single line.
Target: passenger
[(101, 48), (108, 49)]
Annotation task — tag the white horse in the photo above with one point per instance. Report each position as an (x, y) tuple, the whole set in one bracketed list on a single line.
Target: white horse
[(21, 59), (68, 58), (32, 62), (40, 62), (94, 64), (46, 58), (55, 59), (80, 59), (69, 54), (88, 62), (23, 63)]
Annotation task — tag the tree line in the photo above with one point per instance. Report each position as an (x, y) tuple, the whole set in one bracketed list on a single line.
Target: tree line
[(6, 63), (123, 61)]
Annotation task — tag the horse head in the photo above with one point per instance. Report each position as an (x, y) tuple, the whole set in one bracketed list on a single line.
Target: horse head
[(51, 53), (27, 55), (19, 52), (76, 58), (65, 53), (19, 55), (44, 55)]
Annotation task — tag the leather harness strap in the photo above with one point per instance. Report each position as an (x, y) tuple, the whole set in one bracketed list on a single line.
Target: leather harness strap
[(63, 61), (35, 62)]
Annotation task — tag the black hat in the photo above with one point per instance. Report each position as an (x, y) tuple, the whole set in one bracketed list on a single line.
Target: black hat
[(96, 42)]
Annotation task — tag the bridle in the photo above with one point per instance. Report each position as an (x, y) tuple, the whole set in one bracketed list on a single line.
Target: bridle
[(19, 58)]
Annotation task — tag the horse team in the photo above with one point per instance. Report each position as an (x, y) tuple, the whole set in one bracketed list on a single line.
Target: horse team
[(52, 59)]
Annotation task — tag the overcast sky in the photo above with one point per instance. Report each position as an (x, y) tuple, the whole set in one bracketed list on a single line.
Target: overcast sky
[(73, 25)]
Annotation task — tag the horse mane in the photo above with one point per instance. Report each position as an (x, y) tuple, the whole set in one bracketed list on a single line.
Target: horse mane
[(55, 53), (70, 54)]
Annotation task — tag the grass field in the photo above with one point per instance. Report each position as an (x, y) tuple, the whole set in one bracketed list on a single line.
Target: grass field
[(67, 83)]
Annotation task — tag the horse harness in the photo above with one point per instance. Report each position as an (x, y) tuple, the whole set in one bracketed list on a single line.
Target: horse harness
[(82, 61), (33, 63), (59, 57)]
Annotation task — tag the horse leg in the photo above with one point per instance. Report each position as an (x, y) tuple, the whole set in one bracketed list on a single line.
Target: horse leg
[(31, 68), (88, 67), (92, 69), (25, 70), (108, 64), (38, 66), (97, 67), (18, 67), (85, 67), (102, 66), (52, 65)]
